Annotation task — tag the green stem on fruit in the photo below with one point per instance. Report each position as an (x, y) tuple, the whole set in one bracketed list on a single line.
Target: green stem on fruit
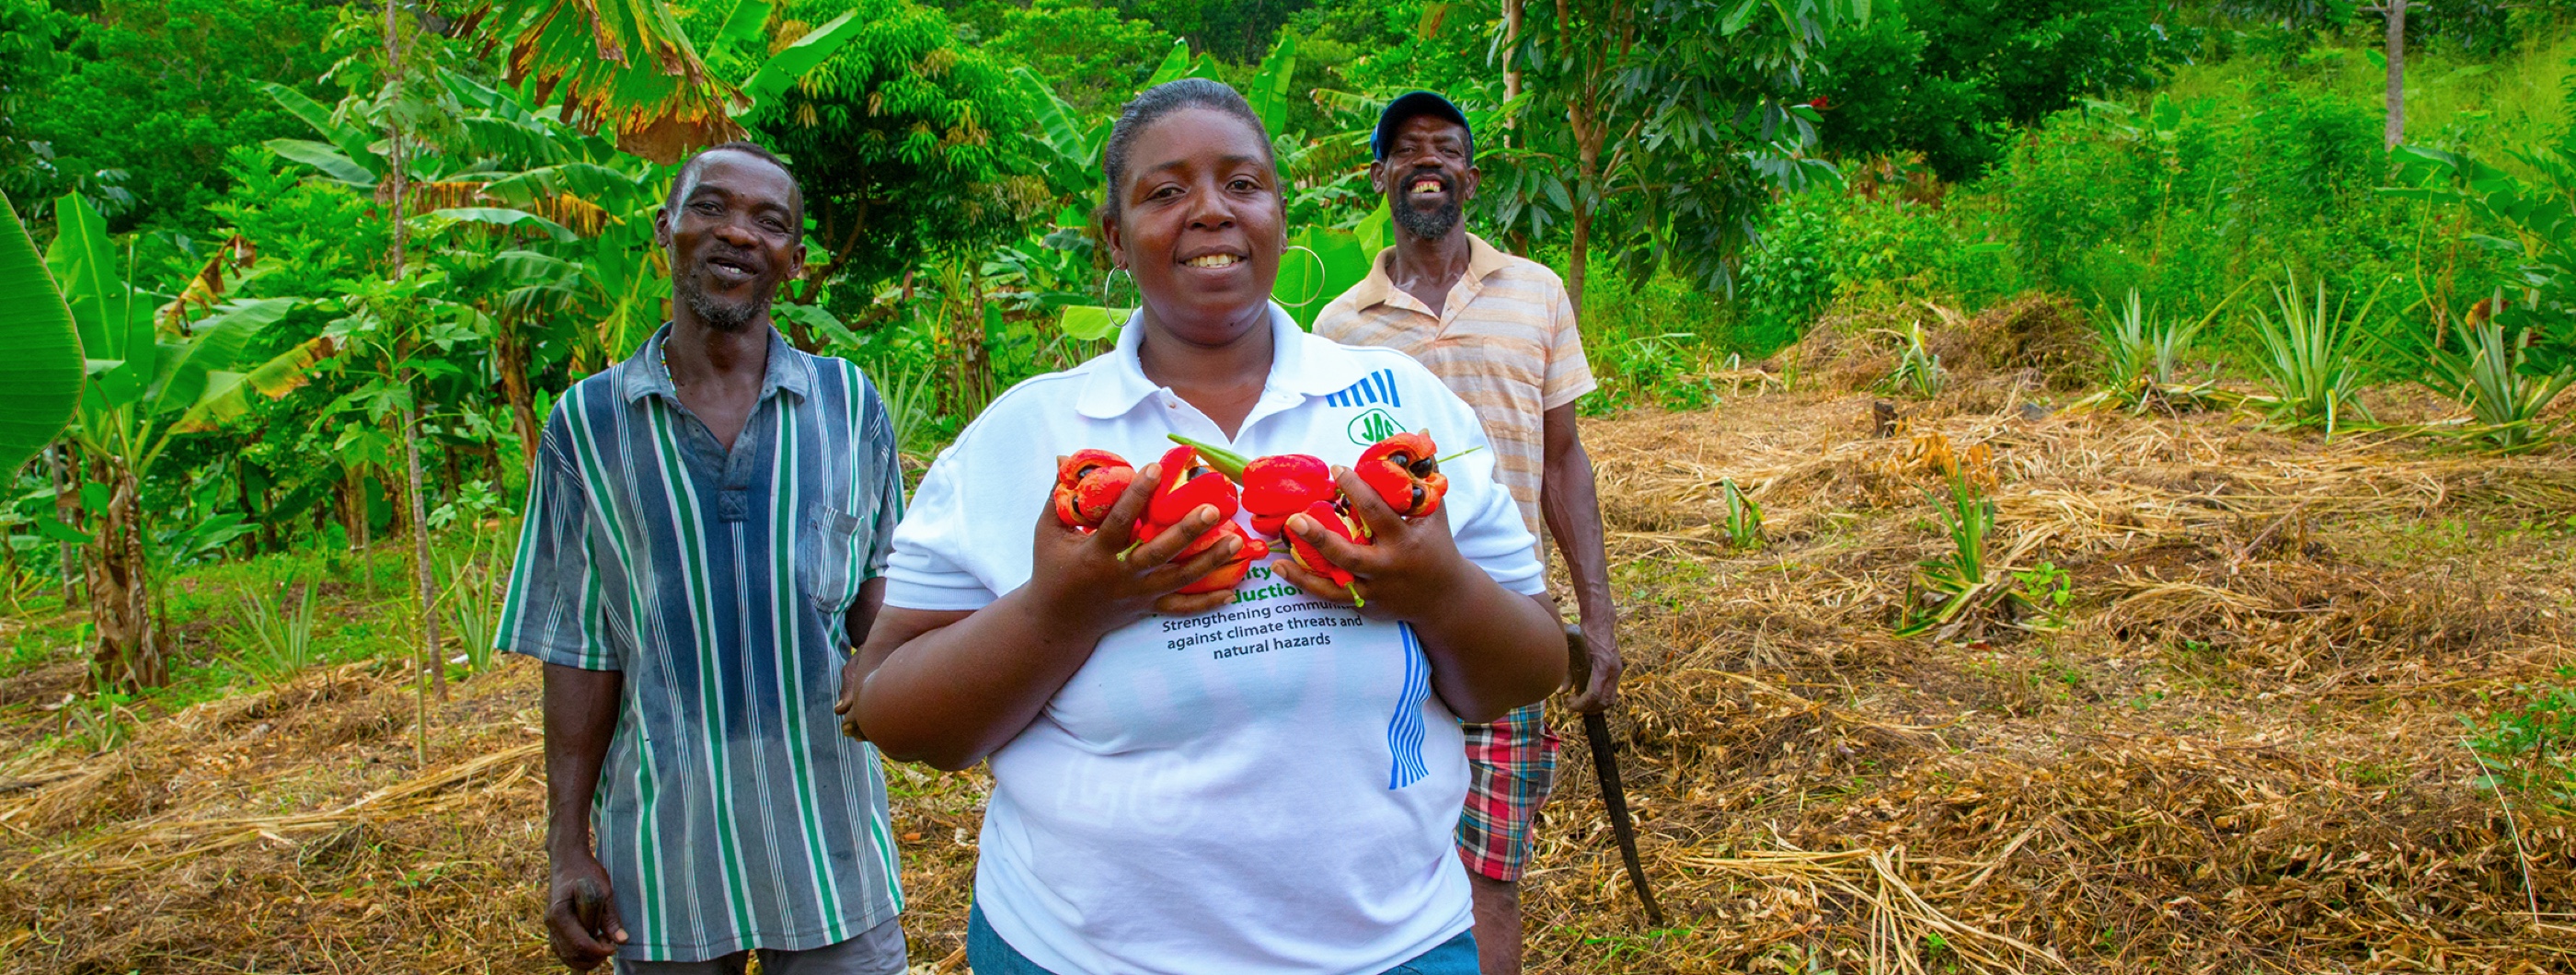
[(1219, 459)]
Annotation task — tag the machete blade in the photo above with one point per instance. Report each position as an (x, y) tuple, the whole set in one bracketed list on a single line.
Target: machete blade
[(1605, 768)]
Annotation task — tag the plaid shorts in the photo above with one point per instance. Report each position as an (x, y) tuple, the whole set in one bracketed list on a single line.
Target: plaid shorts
[(1511, 768)]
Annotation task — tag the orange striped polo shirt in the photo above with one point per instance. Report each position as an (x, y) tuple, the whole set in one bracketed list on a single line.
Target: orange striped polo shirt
[(1505, 341)]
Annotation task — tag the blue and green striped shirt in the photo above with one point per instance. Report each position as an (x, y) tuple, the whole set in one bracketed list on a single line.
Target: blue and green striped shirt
[(731, 812)]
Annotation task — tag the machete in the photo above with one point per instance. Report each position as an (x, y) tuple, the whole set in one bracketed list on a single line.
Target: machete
[(1605, 768)]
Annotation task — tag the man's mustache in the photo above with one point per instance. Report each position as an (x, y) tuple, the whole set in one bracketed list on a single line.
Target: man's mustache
[(720, 252), (1430, 174)]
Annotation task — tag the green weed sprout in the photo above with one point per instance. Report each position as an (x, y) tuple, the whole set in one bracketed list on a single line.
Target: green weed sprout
[(1952, 589), (1918, 372), (2529, 749), (2047, 590), (104, 720), (1743, 516)]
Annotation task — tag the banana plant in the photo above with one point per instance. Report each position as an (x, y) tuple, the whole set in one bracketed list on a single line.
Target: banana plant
[(42, 372), (153, 373)]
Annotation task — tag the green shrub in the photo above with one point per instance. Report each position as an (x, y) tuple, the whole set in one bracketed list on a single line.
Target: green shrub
[(1952, 584), (1791, 276), (2308, 366), (2142, 357), (2488, 368), (273, 640)]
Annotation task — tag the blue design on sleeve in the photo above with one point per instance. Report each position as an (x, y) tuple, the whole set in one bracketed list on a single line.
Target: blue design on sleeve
[(1404, 731)]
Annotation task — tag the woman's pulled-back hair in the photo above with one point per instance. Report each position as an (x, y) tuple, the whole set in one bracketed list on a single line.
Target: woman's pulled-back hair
[(1150, 107)]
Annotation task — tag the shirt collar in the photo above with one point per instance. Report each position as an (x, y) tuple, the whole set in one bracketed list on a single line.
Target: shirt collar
[(1300, 364), (642, 375), (1377, 287)]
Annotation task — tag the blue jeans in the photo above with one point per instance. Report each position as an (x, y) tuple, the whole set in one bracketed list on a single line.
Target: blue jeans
[(988, 954)]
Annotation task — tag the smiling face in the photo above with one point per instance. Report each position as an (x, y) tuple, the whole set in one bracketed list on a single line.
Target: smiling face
[(1427, 176), (733, 235), (1199, 224)]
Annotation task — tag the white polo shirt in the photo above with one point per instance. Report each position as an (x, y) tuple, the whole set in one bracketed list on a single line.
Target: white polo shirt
[(1267, 788)]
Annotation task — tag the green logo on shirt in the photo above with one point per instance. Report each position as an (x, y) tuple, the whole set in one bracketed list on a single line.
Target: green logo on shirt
[(1373, 426)]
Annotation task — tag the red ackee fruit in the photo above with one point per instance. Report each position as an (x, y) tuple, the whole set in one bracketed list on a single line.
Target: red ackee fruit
[(1274, 487), (1232, 570), (1185, 485), (1338, 521), (1405, 470), (1281, 485), (1087, 482)]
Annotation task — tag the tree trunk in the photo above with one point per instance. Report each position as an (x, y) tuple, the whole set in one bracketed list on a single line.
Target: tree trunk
[(1511, 72), (241, 488), (420, 555), (970, 371), (397, 179), (514, 387), (447, 457), (1583, 120), (2396, 11), (361, 520), (67, 511), (128, 655), (1587, 141)]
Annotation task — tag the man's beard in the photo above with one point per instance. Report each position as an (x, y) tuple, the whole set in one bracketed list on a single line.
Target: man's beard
[(719, 313), (1430, 224)]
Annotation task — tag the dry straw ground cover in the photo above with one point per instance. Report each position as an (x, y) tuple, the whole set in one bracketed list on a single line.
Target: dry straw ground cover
[(2239, 750)]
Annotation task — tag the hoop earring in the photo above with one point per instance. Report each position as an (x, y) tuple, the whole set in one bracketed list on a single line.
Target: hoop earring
[(1320, 270), (1113, 276)]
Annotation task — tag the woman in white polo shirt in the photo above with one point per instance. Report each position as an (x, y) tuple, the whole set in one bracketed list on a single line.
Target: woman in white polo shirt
[(1249, 781)]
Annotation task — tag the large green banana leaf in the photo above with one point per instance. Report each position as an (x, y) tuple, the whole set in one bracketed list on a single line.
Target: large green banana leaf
[(1270, 92), (40, 378)]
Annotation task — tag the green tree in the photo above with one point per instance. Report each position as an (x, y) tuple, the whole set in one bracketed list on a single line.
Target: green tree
[(1235, 31), (1671, 110), (627, 67), (1945, 78), (907, 143), (160, 90), (1091, 55)]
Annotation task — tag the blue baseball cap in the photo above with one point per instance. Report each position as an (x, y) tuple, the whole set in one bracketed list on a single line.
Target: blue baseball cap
[(1408, 105)]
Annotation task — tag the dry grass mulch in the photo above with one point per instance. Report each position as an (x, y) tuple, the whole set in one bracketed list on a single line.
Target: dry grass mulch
[(2240, 748)]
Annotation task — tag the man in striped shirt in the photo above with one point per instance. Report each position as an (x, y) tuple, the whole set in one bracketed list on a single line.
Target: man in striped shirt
[(703, 537), (1500, 332)]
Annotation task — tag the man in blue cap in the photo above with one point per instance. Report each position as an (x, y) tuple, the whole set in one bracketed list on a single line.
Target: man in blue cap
[(1500, 331)]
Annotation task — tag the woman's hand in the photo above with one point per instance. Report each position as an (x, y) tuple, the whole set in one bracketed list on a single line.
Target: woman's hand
[(1097, 582), (1408, 571)]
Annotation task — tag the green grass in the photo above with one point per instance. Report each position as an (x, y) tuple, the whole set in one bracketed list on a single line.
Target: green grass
[(2451, 97), (37, 644)]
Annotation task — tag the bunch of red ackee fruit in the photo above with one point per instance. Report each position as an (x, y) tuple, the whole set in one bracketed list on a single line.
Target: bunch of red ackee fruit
[(1405, 470)]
